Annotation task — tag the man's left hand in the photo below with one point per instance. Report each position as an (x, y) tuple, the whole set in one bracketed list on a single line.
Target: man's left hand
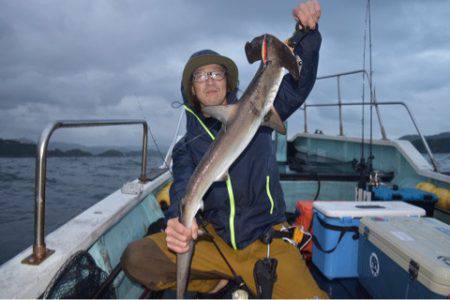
[(308, 13)]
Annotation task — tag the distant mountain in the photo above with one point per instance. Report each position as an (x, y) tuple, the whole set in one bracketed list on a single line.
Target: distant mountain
[(95, 150), (25, 148), (24, 140), (439, 143), (111, 153), (12, 148), (68, 153), (150, 153), (409, 137), (135, 153)]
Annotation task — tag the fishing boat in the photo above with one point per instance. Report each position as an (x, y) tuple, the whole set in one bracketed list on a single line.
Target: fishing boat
[(82, 257), (84, 254)]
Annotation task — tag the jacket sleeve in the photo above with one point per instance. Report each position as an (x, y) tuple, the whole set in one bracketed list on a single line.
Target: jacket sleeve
[(292, 94), (182, 169)]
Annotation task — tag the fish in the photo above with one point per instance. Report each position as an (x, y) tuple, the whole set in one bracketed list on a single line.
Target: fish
[(240, 122)]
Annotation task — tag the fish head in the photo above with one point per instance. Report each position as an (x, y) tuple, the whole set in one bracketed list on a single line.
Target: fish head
[(268, 48), (253, 49)]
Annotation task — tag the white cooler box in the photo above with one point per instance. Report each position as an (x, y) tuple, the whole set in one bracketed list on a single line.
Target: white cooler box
[(404, 257), (335, 225)]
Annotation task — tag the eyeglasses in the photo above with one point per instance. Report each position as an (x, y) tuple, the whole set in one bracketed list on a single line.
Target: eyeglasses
[(203, 76)]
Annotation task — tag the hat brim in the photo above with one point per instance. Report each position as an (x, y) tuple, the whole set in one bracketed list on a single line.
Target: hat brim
[(208, 59)]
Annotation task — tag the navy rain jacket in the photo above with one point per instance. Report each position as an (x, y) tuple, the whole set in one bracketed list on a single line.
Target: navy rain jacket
[(258, 202)]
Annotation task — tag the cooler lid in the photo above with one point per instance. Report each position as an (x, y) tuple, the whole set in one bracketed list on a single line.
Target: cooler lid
[(426, 241), (341, 209)]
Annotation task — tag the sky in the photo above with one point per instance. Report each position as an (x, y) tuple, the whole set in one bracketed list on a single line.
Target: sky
[(103, 59)]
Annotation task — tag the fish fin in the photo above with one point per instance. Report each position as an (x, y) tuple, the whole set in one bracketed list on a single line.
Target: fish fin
[(273, 120), (220, 112), (223, 177)]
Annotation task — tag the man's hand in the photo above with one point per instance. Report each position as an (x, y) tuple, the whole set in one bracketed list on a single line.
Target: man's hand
[(308, 13), (178, 236)]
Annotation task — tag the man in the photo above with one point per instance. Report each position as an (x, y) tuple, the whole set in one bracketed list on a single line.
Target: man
[(243, 209)]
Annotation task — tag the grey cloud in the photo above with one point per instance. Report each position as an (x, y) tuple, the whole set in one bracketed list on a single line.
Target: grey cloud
[(92, 59)]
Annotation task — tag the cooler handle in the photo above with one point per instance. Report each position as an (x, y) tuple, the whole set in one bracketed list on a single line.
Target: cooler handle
[(342, 229)]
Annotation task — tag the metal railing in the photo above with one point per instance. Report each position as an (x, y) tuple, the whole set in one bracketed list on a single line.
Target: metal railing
[(40, 251), (373, 102), (373, 99)]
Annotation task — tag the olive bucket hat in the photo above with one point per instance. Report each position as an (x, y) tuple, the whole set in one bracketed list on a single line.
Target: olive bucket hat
[(207, 57)]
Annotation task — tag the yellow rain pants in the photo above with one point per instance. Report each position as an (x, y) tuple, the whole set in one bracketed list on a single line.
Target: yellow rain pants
[(149, 262)]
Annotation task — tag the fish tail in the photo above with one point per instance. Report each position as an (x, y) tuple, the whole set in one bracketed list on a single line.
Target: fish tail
[(183, 266)]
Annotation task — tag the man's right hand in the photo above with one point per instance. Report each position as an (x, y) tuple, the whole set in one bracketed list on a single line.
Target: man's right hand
[(178, 236)]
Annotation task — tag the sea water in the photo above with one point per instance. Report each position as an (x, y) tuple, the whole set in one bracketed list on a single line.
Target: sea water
[(73, 185)]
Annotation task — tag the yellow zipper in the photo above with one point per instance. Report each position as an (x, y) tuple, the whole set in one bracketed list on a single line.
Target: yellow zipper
[(269, 194)]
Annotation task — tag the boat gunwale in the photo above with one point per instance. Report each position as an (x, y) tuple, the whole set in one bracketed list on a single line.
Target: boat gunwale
[(418, 162)]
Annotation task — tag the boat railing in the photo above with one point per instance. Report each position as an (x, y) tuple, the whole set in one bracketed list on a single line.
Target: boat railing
[(374, 103), (40, 251)]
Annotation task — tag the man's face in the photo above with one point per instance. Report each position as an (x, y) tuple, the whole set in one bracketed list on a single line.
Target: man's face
[(213, 90)]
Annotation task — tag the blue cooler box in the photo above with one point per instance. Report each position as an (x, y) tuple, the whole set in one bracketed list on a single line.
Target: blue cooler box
[(404, 257), (336, 232)]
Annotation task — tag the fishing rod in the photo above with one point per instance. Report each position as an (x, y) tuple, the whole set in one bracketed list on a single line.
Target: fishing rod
[(364, 167), (362, 164), (371, 157)]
